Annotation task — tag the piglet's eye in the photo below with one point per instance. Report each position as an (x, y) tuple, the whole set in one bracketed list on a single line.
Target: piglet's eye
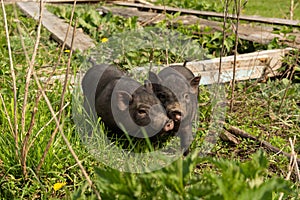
[(161, 96), (186, 96), (142, 112)]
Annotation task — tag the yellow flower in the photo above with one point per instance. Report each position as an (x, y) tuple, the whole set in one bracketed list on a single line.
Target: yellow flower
[(67, 51), (58, 186), (104, 40)]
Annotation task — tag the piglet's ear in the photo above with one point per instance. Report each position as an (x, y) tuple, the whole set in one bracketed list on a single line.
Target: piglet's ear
[(195, 83), (155, 81), (123, 100), (148, 86), (154, 78)]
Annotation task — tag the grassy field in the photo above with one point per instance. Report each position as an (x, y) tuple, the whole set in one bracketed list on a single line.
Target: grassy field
[(272, 8), (266, 8), (38, 157)]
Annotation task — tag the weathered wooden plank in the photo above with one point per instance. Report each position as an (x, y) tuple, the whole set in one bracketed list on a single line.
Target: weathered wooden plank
[(266, 57), (211, 77), (57, 27), (249, 66), (79, 1), (54, 1), (262, 35), (277, 21)]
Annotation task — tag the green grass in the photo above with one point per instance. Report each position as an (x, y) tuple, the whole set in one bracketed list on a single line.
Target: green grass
[(266, 8), (271, 8), (58, 162), (229, 170)]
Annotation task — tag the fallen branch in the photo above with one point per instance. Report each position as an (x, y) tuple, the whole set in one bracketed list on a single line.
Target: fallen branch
[(240, 133), (228, 137)]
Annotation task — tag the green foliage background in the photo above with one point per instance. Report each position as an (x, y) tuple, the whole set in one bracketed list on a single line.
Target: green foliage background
[(230, 172)]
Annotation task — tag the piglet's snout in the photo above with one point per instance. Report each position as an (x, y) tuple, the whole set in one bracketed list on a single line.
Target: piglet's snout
[(169, 125), (176, 115)]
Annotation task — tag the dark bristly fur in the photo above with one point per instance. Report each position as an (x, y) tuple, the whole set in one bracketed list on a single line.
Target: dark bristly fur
[(121, 101), (177, 88)]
